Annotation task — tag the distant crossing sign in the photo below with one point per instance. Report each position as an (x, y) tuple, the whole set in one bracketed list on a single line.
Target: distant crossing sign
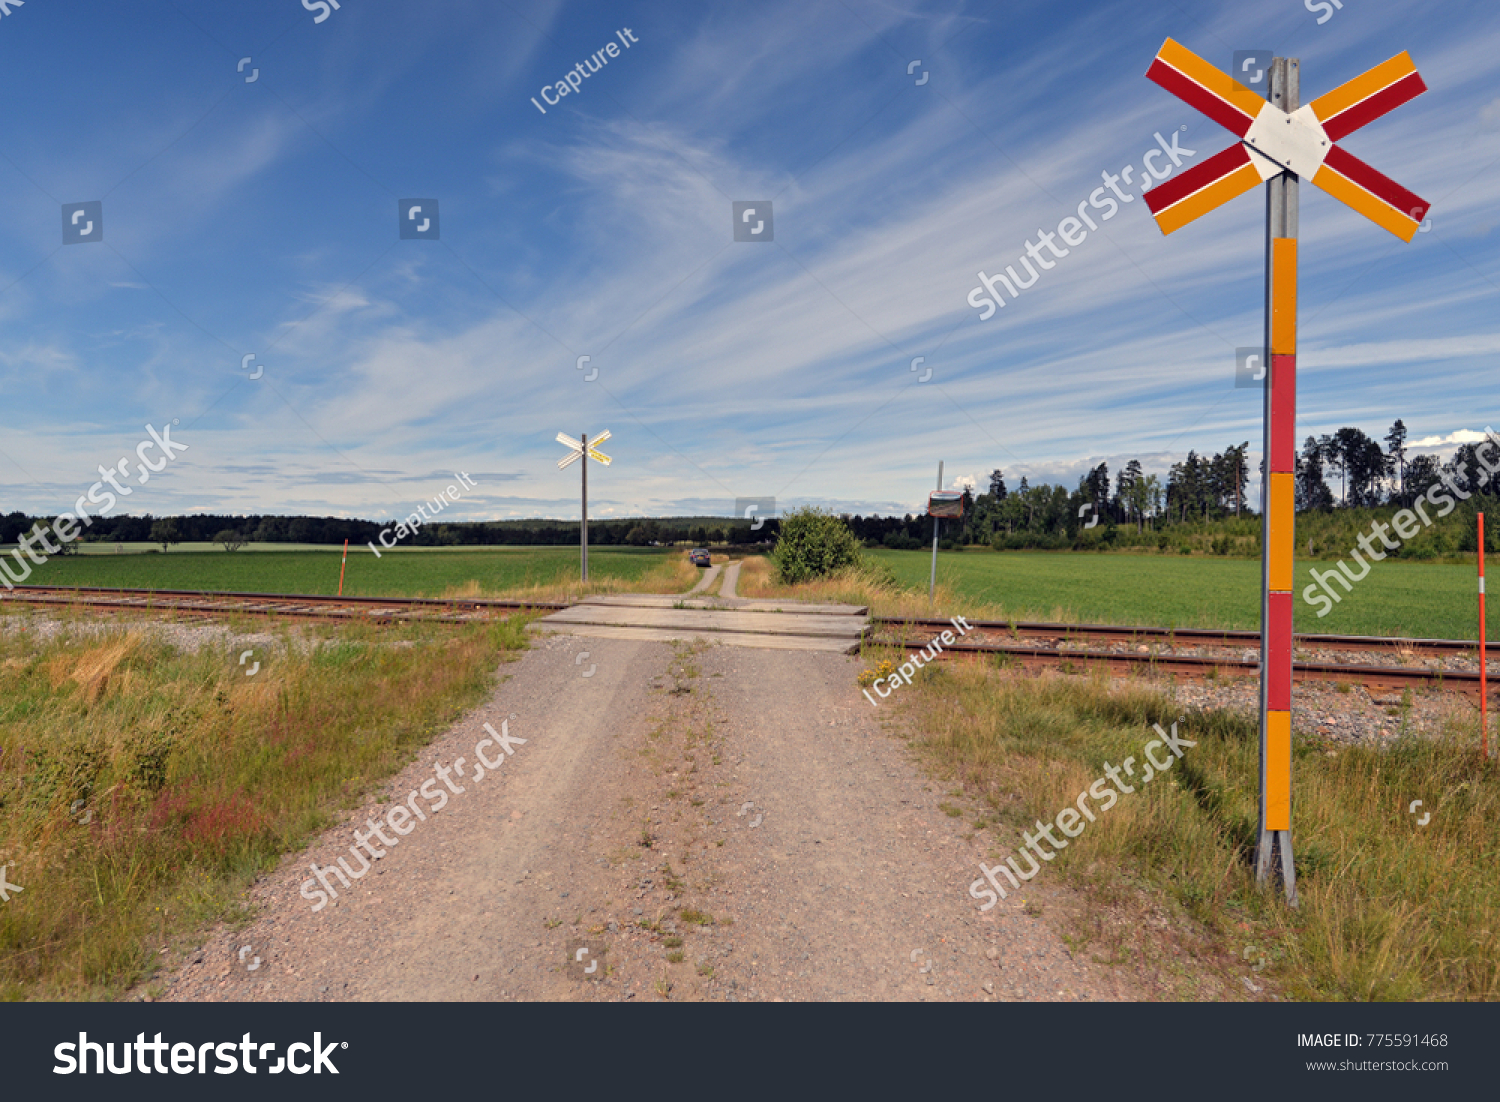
[(582, 449), (1280, 143)]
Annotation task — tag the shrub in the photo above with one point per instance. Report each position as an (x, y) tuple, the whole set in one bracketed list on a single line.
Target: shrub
[(813, 543)]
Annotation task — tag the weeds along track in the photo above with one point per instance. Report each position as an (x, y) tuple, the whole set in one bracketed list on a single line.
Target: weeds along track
[(376, 610), (1193, 652), (1450, 664)]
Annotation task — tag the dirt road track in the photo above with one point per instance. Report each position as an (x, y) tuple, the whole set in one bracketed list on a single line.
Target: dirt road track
[(796, 851)]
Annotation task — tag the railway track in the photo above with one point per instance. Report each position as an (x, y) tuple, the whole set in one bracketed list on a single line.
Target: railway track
[(989, 637), (1202, 637), (378, 610), (1156, 652)]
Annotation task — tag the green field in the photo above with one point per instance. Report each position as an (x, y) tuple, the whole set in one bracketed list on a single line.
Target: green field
[(1396, 598), (415, 573)]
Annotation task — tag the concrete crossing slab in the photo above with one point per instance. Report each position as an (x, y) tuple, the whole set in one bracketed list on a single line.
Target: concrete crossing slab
[(727, 619), (833, 644), (746, 604), (724, 620)]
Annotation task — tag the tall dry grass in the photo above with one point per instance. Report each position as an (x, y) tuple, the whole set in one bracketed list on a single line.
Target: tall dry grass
[(143, 787), (672, 574), (867, 585), (1390, 909)]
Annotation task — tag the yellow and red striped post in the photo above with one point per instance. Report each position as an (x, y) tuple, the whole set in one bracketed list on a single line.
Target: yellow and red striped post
[(1484, 696), (1279, 522), (1280, 142), (1278, 508), (341, 568)]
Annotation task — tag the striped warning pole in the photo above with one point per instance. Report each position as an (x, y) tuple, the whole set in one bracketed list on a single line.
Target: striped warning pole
[(1280, 142), (1484, 698), (1278, 499)]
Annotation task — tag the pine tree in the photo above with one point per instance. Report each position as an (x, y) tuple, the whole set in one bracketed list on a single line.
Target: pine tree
[(997, 485), (1395, 442)]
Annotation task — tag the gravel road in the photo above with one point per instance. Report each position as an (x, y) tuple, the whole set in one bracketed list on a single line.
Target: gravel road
[(680, 822)]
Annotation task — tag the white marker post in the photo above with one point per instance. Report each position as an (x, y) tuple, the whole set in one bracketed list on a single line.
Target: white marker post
[(932, 582)]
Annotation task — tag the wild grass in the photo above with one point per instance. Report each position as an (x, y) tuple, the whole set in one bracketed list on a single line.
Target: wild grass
[(143, 787), (478, 572), (668, 573), (870, 584), (1390, 909), (1401, 599)]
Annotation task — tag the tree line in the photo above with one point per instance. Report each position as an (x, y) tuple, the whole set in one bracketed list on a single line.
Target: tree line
[(1346, 469), (234, 532)]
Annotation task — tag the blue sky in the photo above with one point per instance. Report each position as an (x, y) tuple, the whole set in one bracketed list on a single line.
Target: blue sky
[(261, 218)]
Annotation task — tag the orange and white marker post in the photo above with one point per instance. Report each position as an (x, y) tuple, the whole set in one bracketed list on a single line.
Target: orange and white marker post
[(1484, 694), (342, 565), (1281, 142)]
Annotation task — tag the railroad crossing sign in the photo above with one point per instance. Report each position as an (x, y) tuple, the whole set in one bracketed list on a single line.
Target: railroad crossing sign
[(1281, 142), (582, 449)]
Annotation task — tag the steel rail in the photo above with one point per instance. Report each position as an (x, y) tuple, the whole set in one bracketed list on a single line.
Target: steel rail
[(1381, 678), (1213, 637), (292, 605)]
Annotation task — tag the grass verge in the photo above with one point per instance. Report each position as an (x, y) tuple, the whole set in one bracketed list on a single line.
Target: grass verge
[(1390, 909), (143, 787), (668, 573), (474, 572), (1402, 599)]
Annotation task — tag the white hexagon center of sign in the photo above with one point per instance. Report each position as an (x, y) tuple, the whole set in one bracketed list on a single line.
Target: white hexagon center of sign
[(1297, 141)]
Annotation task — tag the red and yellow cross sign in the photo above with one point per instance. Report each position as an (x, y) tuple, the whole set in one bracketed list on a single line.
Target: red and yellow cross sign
[(1273, 141), (1280, 144)]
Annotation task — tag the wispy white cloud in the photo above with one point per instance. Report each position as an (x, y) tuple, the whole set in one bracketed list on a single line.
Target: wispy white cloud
[(729, 369)]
